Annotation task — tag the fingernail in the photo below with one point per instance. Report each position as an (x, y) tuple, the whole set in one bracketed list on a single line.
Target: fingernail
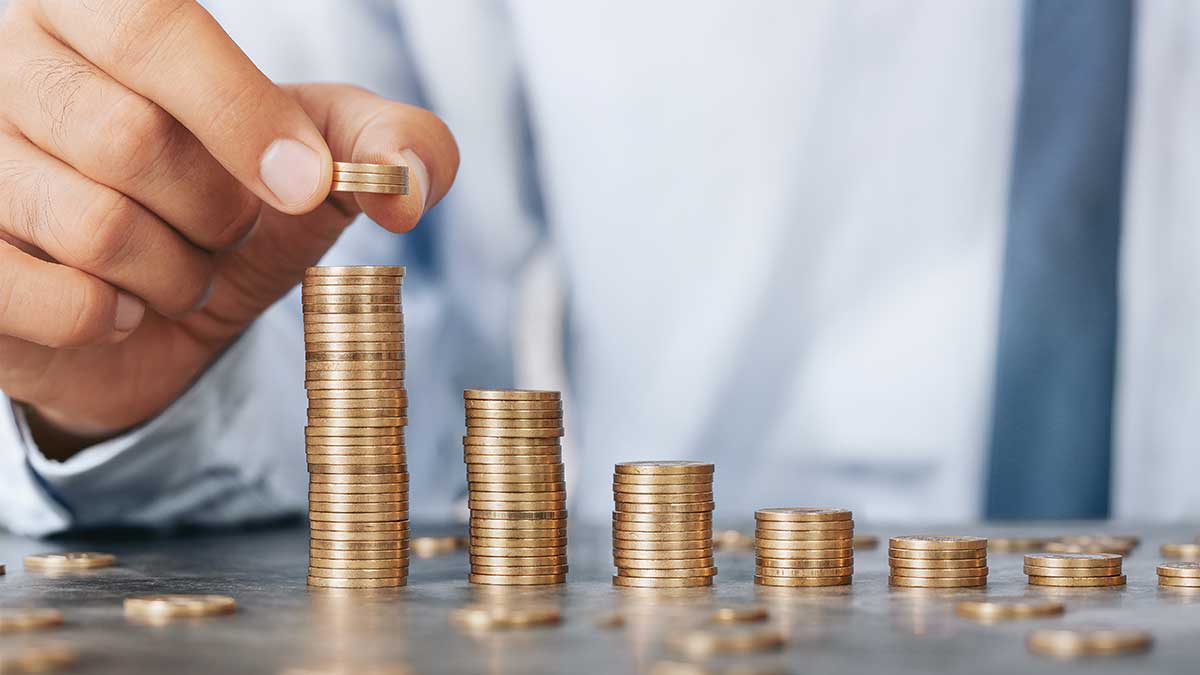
[(291, 170), (129, 313), (418, 176)]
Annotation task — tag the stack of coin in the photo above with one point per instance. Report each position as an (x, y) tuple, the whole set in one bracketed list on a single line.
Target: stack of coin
[(931, 561), (517, 494), (1074, 569), (357, 411), (1179, 574), (803, 547), (379, 178), (662, 524)]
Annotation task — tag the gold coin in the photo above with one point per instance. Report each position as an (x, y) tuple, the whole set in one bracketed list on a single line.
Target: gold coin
[(1072, 571), (510, 395), (519, 515), (528, 473), (638, 564), (678, 573), (922, 542), (475, 443), (739, 614), (499, 616), (374, 271), (391, 297), (1017, 544), (865, 541), (503, 561), (802, 544), (374, 573), (487, 423), (684, 582), (1111, 547), (392, 582), (324, 459), (664, 479), (1078, 581), (1179, 582), (317, 433), (519, 499), (373, 178), (693, 507), (37, 657), (995, 609), (622, 517), (961, 582), (1179, 569), (335, 397), (389, 468), (1187, 551), (804, 554), (396, 526), (802, 514), (842, 538), (795, 573), (378, 558), (179, 605), (510, 414), (330, 503), (517, 432), (516, 406), (487, 505), (961, 573), (477, 463), (732, 540), (63, 562), (318, 417), (658, 468), (1071, 642), (500, 533), (965, 563), (519, 570), (661, 555), (699, 526), (389, 169), (348, 308), (517, 580), (19, 620), (620, 536), (621, 498), (347, 563), (428, 547), (485, 489), (976, 554), (336, 491), (844, 527), (521, 542), (515, 551), (627, 489), (397, 546), (363, 285), (728, 640), (805, 563), (803, 582), (1073, 560), (516, 524), (364, 517), (378, 188), (334, 535)]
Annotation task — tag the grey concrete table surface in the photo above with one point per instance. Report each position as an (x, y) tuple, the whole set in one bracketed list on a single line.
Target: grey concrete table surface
[(281, 624)]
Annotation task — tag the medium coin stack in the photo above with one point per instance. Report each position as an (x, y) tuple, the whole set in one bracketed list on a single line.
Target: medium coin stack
[(357, 411), (932, 561), (662, 524), (516, 489), (1074, 569), (1179, 574), (803, 547), (378, 178)]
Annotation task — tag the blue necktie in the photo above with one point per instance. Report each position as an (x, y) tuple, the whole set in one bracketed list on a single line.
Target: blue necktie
[(1051, 443)]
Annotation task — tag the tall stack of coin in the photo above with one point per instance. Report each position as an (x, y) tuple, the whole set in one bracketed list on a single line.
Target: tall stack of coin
[(933, 561), (379, 178), (517, 494), (1074, 569), (803, 547), (357, 411), (662, 524)]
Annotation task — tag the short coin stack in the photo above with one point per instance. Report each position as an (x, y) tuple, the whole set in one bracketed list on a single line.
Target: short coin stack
[(931, 561), (1179, 574), (803, 547), (357, 411), (379, 178), (662, 524), (517, 494), (1074, 569)]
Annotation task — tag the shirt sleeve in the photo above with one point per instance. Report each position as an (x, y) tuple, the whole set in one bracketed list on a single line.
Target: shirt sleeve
[(223, 453)]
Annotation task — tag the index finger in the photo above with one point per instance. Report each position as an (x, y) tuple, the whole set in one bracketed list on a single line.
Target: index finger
[(174, 53)]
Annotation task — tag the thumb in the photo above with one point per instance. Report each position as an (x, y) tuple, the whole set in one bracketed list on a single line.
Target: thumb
[(362, 127)]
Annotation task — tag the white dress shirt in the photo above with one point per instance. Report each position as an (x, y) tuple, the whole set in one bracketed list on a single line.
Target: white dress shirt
[(777, 230)]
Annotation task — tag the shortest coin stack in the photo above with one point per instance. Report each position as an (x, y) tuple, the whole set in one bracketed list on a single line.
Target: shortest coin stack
[(928, 561), (1074, 569), (662, 524), (379, 178), (1179, 574), (803, 547)]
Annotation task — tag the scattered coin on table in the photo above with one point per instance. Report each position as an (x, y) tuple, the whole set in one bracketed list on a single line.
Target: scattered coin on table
[(178, 606), (19, 620), (1002, 609), (1076, 642), (68, 562)]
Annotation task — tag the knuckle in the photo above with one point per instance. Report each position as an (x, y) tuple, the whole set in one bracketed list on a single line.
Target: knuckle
[(134, 136), (111, 223), (56, 83)]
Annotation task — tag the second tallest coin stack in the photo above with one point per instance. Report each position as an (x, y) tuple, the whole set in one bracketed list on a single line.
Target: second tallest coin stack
[(354, 441)]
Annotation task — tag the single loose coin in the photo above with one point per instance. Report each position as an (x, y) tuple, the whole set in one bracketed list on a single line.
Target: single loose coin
[(1071, 642), (802, 514), (502, 616), (684, 582), (865, 541), (428, 547), (922, 542), (965, 563), (62, 562), (1017, 544), (1072, 571), (994, 609), (1078, 581), (511, 395), (37, 657), (740, 614), (911, 582), (1187, 551), (179, 605), (1074, 559), (658, 468), (803, 582), (392, 582), (728, 640), (517, 580), (732, 540), (960, 573), (1179, 569), (19, 620)]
